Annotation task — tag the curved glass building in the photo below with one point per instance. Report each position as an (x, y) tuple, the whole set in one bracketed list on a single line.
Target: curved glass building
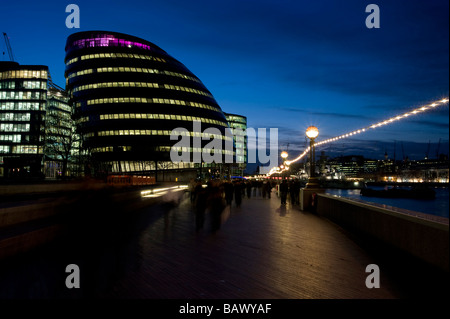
[(128, 97)]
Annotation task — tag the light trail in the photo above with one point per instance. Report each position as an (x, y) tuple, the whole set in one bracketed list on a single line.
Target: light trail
[(368, 128)]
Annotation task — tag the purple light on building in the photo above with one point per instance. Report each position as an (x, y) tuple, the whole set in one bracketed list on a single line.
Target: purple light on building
[(107, 40)]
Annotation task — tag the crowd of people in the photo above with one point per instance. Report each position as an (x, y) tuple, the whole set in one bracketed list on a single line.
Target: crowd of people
[(219, 194)]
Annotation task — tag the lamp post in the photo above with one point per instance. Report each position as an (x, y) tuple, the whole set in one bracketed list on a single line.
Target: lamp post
[(312, 132), (284, 155)]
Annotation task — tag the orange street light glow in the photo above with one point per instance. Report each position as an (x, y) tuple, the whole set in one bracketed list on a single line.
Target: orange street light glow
[(313, 132)]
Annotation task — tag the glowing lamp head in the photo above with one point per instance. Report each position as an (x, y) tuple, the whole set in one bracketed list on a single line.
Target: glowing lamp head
[(284, 155), (312, 132)]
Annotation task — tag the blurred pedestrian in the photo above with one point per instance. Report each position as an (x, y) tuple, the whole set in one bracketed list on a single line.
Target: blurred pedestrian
[(238, 193), (229, 190), (249, 189), (201, 202), (284, 188)]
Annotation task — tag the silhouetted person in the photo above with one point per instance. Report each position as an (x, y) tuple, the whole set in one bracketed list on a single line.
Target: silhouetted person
[(292, 191), (284, 188), (260, 188), (192, 185), (229, 190), (238, 194), (297, 192), (216, 205), (249, 189), (264, 189), (269, 189), (201, 203)]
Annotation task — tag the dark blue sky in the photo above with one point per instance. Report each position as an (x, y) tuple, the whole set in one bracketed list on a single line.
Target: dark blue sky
[(284, 64)]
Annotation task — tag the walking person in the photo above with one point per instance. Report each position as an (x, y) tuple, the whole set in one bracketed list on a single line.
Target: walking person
[(269, 189), (249, 189), (238, 194), (201, 203), (264, 189), (229, 190), (284, 188)]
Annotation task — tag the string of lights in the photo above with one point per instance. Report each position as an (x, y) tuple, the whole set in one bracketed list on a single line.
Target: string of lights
[(363, 130)]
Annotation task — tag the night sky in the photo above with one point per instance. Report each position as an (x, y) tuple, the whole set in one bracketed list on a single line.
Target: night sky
[(283, 64)]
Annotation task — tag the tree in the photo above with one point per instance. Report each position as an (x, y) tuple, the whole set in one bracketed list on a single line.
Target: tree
[(61, 140)]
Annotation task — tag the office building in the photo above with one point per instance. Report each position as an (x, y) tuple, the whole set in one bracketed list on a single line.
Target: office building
[(238, 126), (23, 98), (61, 152), (129, 96)]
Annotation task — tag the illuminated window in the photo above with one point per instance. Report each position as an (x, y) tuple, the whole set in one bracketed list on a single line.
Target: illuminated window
[(14, 116), (4, 148), (10, 127), (25, 149)]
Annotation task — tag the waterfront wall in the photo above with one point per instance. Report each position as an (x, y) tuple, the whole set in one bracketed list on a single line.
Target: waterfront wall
[(422, 236), (49, 212)]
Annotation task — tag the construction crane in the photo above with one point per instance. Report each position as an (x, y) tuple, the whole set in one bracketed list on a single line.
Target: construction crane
[(8, 47)]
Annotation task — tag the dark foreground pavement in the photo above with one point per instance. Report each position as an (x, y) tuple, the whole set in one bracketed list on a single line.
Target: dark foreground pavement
[(262, 250)]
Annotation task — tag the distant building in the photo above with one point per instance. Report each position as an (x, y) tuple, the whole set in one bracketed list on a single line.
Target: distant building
[(61, 141), (238, 126), (351, 165), (129, 95), (23, 98)]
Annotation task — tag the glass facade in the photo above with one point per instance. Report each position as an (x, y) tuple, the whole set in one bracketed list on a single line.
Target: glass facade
[(128, 96), (23, 95), (61, 150), (238, 126)]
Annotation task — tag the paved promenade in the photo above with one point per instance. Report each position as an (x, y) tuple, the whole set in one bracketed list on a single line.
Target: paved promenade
[(262, 251)]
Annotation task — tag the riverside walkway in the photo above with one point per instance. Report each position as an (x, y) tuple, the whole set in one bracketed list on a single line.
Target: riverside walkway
[(262, 250)]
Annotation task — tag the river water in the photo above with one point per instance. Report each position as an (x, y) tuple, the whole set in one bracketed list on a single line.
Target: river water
[(438, 206)]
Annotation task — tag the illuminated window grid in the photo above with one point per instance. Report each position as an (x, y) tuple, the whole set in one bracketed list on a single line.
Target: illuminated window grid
[(14, 117), (9, 127), (105, 149), (4, 148), (23, 74), (16, 138), (26, 85), (22, 95), (139, 84), (163, 133), (115, 84), (186, 89), (116, 55), (150, 116), (236, 119), (150, 100), (132, 69), (107, 40), (21, 106), (131, 166), (26, 149)]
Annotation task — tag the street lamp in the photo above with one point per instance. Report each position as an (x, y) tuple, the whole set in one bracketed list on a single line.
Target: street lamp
[(312, 132), (284, 156)]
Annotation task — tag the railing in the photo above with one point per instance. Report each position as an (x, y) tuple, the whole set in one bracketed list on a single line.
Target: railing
[(130, 180), (421, 235)]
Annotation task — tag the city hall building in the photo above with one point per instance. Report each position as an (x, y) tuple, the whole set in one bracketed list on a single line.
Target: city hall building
[(128, 96)]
